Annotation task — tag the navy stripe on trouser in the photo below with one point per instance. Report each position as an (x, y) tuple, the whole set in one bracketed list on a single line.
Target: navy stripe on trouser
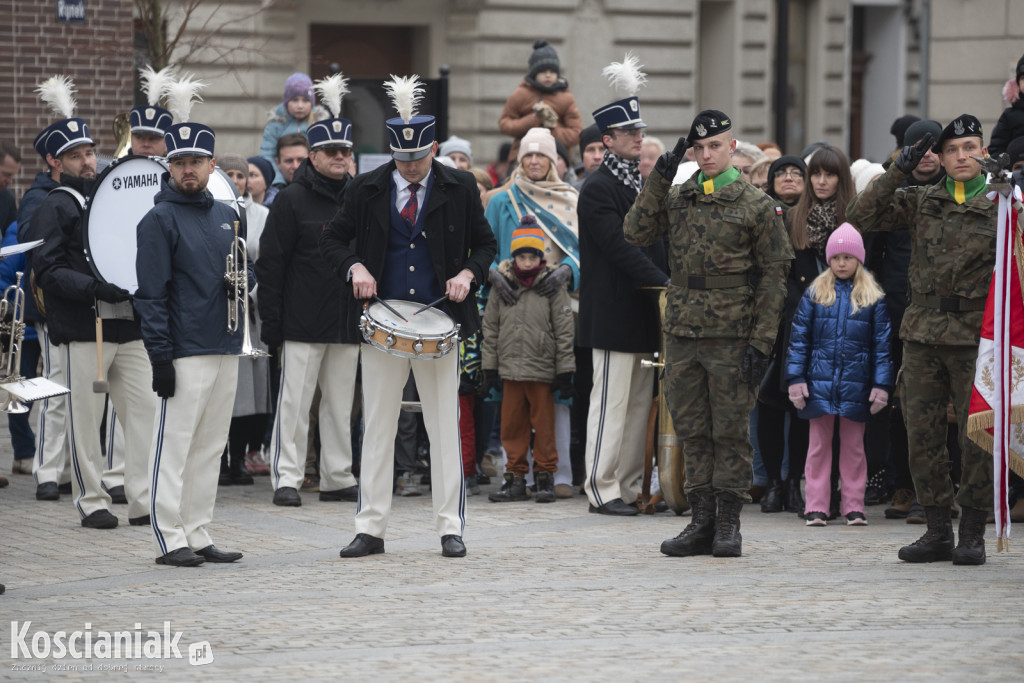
[(74, 449), (276, 460), (44, 343), (600, 429), (111, 426), (157, 452)]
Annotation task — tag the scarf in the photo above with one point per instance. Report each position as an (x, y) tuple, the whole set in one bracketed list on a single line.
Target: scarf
[(526, 277), (961, 192), (558, 86), (821, 222), (627, 172), (553, 202), (721, 180)]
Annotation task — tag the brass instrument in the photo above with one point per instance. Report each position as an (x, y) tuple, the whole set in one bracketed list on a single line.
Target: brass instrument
[(238, 278), (10, 354), (123, 134), (667, 450)]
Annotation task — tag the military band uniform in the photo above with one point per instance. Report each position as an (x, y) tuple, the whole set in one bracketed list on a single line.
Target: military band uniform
[(450, 234), (182, 245), (72, 290), (305, 306), (952, 258), (729, 255)]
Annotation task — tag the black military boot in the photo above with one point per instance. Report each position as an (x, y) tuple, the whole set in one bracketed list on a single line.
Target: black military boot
[(545, 487), (772, 501), (937, 543), (696, 538), (728, 542), (513, 489), (971, 546), (794, 497)]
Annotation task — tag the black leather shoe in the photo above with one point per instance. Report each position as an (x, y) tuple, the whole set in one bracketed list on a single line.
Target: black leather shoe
[(117, 496), (363, 545), (350, 494), (182, 557), (286, 496), (48, 490), (101, 519), (452, 546), (211, 554), (139, 521), (64, 489), (615, 507)]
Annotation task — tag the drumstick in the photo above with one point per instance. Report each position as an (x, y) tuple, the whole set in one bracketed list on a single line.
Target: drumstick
[(430, 305), (100, 386), (388, 306)]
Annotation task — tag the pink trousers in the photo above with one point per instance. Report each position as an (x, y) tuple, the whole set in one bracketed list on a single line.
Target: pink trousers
[(853, 465)]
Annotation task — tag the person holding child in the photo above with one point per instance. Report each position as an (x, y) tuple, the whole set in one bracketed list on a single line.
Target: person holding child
[(296, 113), (838, 366), (527, 346)]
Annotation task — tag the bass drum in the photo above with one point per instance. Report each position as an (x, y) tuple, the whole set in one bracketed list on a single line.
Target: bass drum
[(123, 194), (223, 189)]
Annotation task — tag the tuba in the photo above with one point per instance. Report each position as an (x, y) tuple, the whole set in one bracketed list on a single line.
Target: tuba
[(238, 304), (122, 134), (13, 333)]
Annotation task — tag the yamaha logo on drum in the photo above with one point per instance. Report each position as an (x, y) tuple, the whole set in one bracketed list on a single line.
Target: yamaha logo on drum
[(130, 182)]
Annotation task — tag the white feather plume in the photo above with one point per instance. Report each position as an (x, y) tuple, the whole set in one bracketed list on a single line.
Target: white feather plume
[(331, 90), (155, 83), (405, 93), (626, 76), (181, 95), (58, 92)]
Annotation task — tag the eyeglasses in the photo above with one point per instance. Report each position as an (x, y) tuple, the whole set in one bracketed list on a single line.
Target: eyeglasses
[(335, 151), (789, 172), (632, 133)]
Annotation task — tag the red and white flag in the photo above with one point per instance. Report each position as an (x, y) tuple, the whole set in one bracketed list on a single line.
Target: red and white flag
[(996, 417)]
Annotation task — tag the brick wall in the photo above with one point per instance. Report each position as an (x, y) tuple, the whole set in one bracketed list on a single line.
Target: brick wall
[(97, 55)]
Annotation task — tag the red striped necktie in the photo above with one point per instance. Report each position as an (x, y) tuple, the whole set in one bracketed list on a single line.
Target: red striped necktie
[(409, 210)]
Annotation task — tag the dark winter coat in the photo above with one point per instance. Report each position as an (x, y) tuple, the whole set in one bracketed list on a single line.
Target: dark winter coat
[(183, 243), (841, 355), (1009, 126), (615, 313), (300, 298), (458, 236), (63, 272), (30, 201)]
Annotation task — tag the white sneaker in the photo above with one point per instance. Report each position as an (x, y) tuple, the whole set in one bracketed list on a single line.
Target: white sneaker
[(406, 486), (856, 519)]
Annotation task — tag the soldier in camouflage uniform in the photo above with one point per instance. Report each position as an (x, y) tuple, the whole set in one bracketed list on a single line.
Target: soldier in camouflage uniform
[(953, 241), (729, 255)]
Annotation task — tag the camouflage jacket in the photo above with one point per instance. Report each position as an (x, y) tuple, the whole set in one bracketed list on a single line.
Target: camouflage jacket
[(952, 251), (735, 230)]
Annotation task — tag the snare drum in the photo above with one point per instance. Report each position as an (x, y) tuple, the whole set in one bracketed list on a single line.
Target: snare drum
[(428, 334)]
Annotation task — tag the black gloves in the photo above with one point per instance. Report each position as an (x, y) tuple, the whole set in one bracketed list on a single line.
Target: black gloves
[(491, 381), (911, 155), (555, 281), (112, 294), (754, 366), (499, 284), (466, 386), (163, 378), (563, 385), (668, 163)]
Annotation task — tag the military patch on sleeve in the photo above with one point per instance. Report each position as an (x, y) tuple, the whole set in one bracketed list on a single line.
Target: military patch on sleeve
[(778, 210)]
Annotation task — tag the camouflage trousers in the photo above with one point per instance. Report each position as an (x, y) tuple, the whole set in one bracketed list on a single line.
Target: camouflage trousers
[(710, 401), (930, 378)]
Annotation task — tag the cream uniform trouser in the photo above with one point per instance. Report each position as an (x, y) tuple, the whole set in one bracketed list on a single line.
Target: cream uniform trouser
[(53, 438), (127, 370), (437, 380), (113, 474), (303, 366), (620, 404), (190, 431)]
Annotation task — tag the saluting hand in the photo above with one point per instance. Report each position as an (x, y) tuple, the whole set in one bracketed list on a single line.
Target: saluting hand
[(911, 155)]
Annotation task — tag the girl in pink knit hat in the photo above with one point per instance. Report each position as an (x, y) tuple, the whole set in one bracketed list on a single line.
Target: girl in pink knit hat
[(839, 371)]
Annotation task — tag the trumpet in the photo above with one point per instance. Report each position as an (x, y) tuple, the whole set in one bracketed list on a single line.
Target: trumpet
[(238, 305), (13, 306)]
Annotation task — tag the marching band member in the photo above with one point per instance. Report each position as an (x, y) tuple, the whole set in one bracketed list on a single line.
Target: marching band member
[(183, 243), (75, 301), (415, 230), (305, 307)]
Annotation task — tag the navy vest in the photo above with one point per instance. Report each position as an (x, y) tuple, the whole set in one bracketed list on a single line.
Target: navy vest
[(408, 269)]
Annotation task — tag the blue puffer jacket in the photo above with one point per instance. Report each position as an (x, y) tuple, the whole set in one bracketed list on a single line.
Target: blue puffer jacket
[(841, 356), (183, 243)]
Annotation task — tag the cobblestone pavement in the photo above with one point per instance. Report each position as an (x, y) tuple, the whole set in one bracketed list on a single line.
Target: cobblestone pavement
[(547, 592)]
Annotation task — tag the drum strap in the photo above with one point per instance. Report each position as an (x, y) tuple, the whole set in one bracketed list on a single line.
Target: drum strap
[(78, 196)]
